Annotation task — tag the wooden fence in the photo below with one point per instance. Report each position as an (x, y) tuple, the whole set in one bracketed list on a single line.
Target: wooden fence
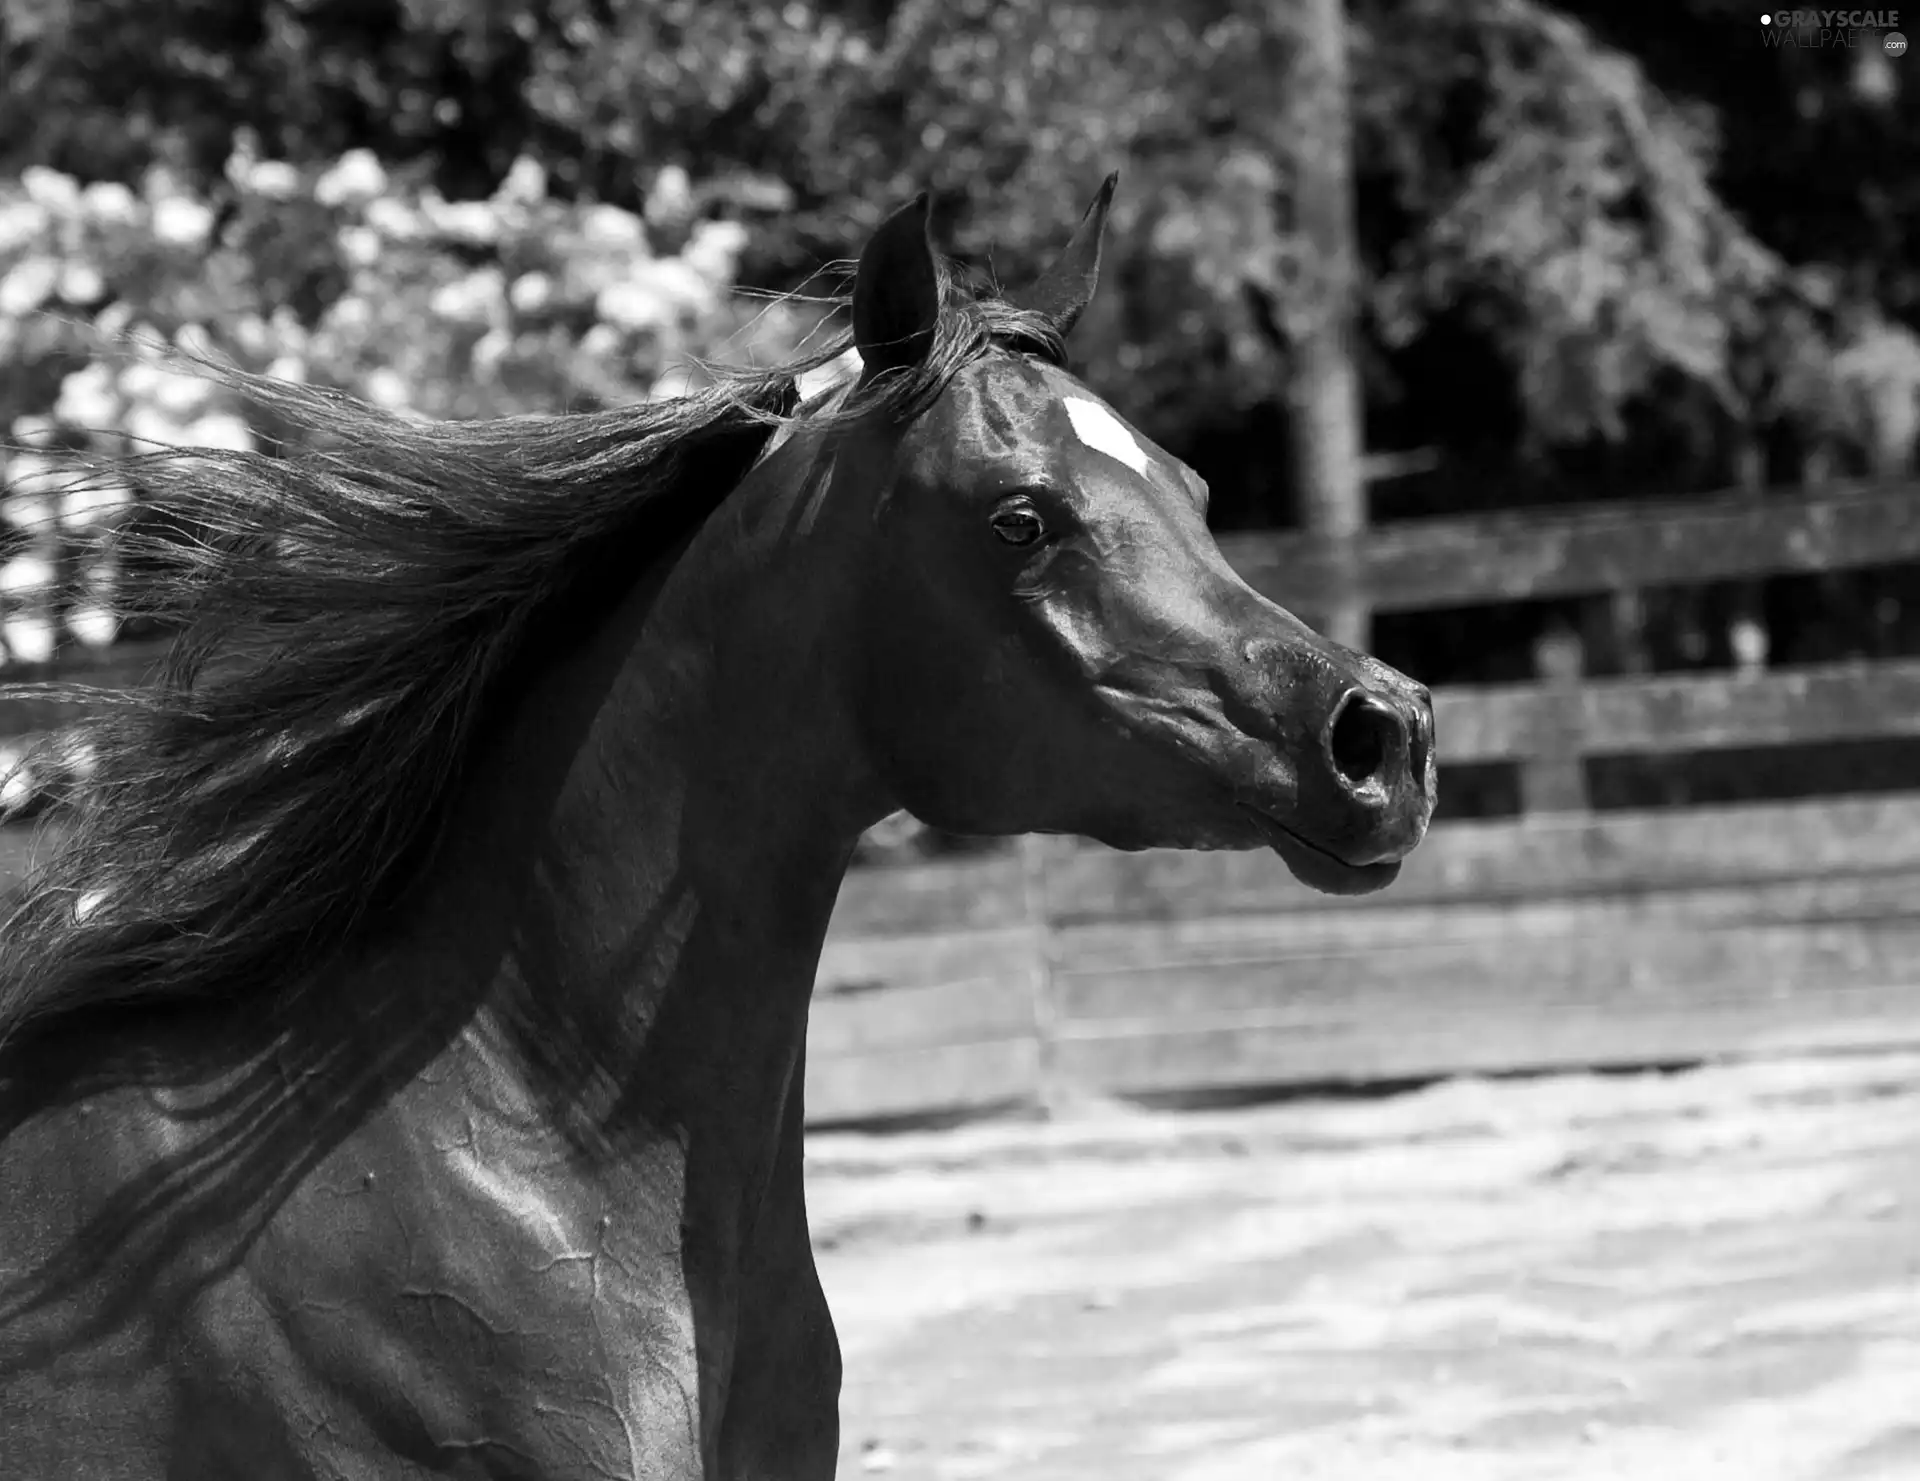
[(1562, 938)]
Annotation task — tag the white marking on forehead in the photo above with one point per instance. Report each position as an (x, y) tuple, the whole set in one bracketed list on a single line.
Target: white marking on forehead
[(1105, 433)]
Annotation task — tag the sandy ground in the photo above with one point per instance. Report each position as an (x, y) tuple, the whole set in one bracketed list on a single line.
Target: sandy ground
[(1708, 1276)]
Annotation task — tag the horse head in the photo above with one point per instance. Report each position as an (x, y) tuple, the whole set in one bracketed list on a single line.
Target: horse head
[(1054, 642)]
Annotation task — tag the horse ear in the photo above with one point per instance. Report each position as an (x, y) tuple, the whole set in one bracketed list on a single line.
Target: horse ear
[(1065, 289), (896, 292)]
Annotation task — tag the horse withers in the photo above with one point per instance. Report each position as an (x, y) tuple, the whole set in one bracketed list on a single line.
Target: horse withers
[(403, 1067)]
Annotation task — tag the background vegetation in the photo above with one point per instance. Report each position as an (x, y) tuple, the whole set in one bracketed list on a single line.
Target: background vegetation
[(1609, 249)]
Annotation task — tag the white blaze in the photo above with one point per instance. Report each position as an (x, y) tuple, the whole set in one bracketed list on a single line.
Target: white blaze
[(1104, 432)]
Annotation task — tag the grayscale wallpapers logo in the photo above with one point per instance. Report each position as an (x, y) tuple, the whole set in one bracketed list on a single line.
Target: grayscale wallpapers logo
[(1834, 28)]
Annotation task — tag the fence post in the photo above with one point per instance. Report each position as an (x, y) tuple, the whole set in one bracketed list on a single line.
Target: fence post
[(1552, 777), (1747, 627), (1034, 848)]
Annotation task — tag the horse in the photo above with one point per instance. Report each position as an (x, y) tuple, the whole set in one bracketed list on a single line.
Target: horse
[(404, 1055)]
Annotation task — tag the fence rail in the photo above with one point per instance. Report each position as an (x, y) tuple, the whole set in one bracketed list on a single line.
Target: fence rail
[(1563, 938), (1575, 940), (1417, 565), (1645, 715)]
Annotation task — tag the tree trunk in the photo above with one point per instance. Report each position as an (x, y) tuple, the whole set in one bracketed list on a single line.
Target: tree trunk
[(1323, 391)]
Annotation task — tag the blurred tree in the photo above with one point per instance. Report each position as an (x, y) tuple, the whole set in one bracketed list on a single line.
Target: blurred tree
[(1323, 389), (1523, 181), (1819, 144), (1604, 247)]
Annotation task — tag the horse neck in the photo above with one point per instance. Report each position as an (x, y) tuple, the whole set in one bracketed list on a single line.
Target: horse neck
[(644, 867)]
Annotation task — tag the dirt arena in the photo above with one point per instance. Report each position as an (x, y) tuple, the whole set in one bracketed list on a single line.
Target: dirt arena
[(1709, 1276)]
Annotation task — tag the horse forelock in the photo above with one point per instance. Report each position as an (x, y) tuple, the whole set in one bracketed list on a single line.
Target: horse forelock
[(348, 615)]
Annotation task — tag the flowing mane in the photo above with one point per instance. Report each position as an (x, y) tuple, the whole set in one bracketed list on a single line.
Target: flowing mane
[(351, 616)]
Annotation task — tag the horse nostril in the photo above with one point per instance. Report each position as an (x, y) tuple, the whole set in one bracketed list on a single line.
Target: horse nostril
[(1365, 733)]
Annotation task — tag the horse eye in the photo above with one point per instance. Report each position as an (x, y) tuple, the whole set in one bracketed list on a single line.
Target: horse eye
[(1018, 525)]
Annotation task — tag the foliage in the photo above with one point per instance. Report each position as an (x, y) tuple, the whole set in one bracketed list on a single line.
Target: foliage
[(1014, 111), (343, 275), (1522, 170), (1605, 249), (1585, 232)]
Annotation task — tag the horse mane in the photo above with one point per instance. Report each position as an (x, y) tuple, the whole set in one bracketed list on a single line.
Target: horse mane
[(350, 616)]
